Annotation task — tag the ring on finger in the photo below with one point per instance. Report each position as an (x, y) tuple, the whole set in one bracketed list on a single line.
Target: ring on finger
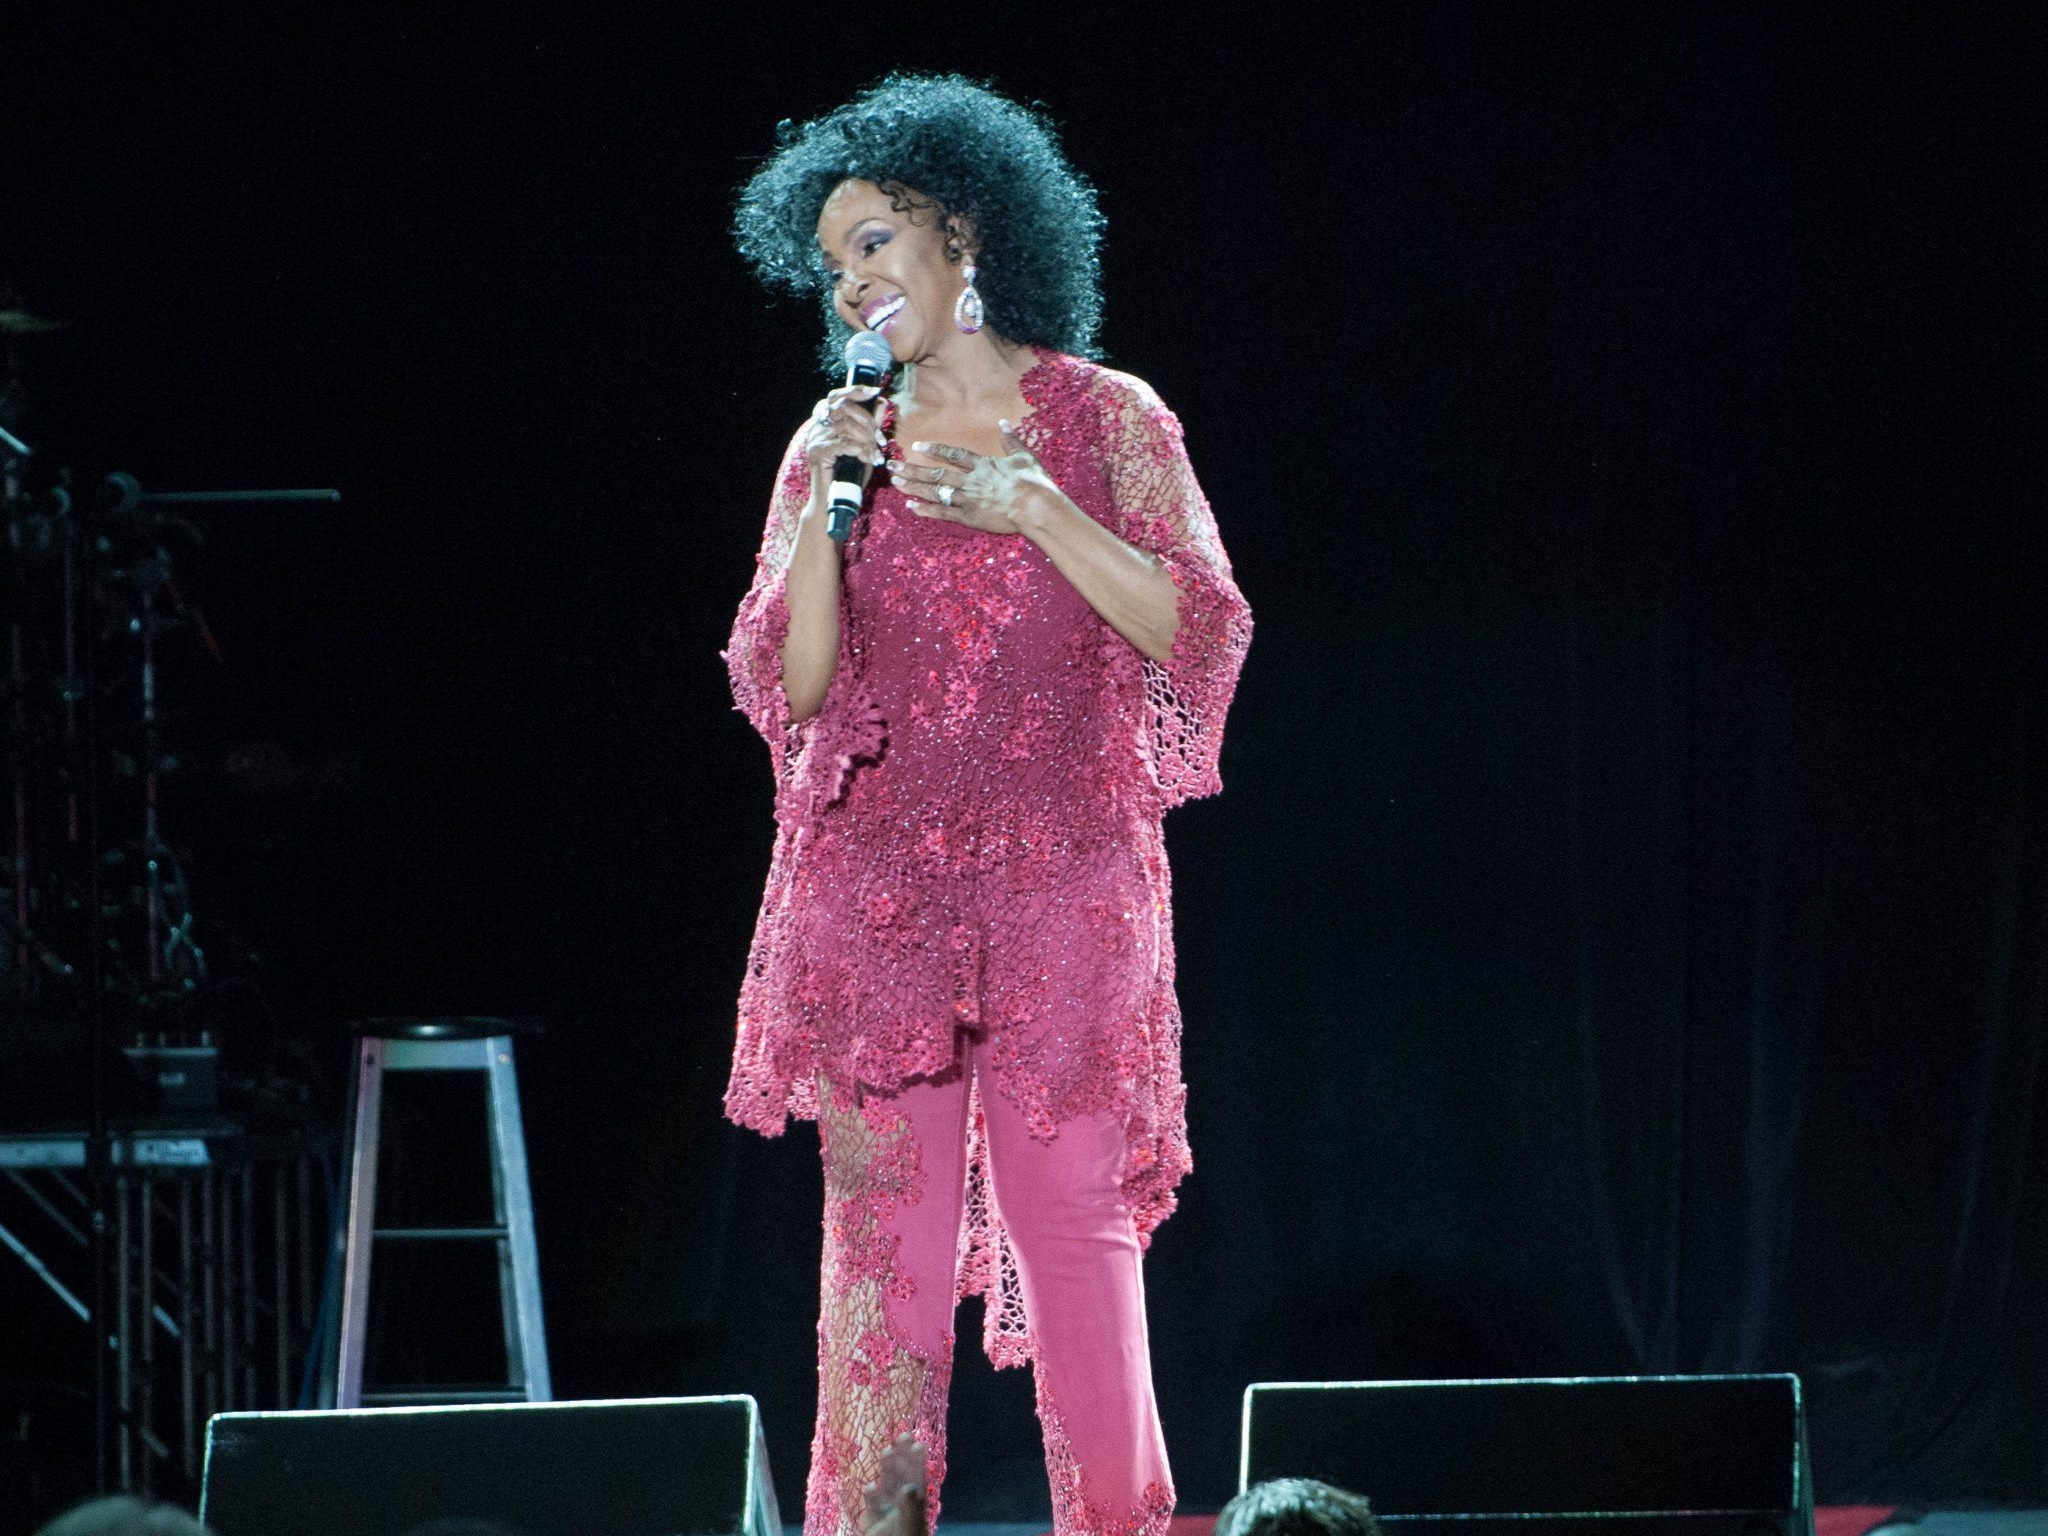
[(946, 495)]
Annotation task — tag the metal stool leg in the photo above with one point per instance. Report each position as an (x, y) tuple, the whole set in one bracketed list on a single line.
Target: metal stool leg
[(526, 1347), (362, 1216), (526, 1352)]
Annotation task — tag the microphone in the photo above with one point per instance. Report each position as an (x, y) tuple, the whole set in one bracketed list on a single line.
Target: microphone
[(868, 361)]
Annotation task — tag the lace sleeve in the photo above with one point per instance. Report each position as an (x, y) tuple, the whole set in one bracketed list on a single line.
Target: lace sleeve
[(753, 656), (814, 759), (1161, 509)]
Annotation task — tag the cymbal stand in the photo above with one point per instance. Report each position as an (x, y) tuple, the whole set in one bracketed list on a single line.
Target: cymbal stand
[(13, 497), (127, 503), (110, 563)]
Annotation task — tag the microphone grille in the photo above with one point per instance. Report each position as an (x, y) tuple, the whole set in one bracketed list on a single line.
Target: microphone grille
[(868, 351)]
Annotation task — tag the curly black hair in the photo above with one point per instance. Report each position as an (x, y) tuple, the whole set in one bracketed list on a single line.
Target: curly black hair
[(977, 155)]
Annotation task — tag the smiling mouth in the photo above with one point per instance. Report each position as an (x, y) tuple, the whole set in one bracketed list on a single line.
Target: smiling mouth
[(881, 318)]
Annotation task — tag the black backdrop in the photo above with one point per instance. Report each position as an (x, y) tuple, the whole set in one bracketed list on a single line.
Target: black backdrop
[(1621, 944)]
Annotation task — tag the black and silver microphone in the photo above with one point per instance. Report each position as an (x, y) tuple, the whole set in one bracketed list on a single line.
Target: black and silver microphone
[(868, 362)]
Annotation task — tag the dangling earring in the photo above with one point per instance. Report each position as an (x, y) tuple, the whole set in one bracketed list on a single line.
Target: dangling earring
[(967, 309)]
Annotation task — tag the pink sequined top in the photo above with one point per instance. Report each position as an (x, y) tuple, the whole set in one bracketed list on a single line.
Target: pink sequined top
[(968, 831)]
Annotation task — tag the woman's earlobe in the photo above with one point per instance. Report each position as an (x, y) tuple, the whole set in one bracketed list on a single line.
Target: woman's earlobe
[(962, 240)]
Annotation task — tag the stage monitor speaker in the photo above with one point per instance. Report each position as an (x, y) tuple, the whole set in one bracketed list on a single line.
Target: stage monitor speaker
[(1622, 1455), (657, 1466)]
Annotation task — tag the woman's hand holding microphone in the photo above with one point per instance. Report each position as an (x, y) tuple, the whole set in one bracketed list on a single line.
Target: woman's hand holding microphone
[(846, 423)]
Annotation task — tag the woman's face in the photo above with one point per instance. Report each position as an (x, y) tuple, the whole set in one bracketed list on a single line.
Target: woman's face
[(891, 270)]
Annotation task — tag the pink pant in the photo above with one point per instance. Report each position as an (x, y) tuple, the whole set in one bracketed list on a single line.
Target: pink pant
[(895, 1182)]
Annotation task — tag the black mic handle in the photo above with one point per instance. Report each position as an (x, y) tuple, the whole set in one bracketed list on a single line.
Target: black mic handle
[(847, 471), (849, 474)]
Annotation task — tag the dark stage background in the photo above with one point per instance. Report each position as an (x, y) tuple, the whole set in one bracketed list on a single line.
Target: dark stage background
[(1621, 945)]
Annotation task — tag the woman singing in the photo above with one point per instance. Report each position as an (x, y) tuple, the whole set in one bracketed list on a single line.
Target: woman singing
[(978, 709)]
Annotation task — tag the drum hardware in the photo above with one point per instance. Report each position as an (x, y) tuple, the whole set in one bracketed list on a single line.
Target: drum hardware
[(99, 932)]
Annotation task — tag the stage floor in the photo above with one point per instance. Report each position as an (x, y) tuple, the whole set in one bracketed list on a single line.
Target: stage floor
[(1828, 1520)]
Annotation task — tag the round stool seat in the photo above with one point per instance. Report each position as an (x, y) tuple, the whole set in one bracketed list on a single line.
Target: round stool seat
[(443, 1027)]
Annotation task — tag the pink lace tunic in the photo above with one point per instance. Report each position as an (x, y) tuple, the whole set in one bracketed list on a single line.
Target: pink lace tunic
[(968, 831)]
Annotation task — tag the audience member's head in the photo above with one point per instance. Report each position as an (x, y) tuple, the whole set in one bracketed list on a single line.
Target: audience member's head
[(124, 1517), (1297, 1506)]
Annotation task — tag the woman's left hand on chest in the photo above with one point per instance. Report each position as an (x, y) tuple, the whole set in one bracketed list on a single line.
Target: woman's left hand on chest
[(994, 494)]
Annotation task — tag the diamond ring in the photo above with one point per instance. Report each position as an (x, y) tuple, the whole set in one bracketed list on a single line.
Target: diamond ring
[(945, 495)]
